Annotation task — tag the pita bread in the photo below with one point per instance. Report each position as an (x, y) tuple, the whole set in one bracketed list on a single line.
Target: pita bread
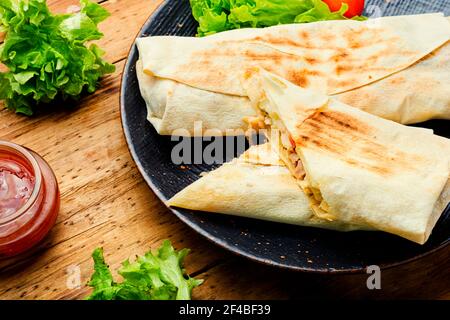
[(256, 185), (393, 67), (357, 168), (175, 109)]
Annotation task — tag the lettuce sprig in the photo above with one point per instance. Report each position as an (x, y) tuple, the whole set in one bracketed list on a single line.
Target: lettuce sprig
[(46, 55), (219, 15), (153, 276)]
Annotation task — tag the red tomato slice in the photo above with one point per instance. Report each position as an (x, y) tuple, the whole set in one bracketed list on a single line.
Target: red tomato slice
[(355, 7)]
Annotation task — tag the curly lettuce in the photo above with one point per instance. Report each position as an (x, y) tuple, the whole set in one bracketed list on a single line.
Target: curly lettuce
[(219, 15), (46, 55), (153, 276)]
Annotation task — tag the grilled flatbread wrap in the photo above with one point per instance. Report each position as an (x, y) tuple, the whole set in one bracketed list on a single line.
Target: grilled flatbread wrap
[(176, 109), (394, 67), (354, 167), (256, 185)]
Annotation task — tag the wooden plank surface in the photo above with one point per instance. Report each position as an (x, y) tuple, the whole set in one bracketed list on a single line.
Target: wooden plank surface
[(105, 202)]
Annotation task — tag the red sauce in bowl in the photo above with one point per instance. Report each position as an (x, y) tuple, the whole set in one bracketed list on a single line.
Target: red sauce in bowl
[(29, 199), (16, 183)]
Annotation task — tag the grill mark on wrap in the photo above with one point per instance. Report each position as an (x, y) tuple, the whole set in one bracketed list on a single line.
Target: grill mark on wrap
[(341, 55), (298, 69), (271, 60), (311, 60), (353, 142), (302, 77), (359, 37)]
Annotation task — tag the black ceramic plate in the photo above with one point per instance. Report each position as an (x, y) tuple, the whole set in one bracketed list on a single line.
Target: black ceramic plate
[(286, 246)]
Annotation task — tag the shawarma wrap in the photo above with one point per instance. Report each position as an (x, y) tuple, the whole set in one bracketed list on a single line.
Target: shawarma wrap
[(354, 167), (393, 67), (256, 185)]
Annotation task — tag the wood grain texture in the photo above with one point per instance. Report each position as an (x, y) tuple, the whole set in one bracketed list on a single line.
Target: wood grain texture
[(105, 202)]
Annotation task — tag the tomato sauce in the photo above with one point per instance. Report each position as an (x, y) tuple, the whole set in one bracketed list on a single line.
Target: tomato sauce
[(29, 199), (16, 183)]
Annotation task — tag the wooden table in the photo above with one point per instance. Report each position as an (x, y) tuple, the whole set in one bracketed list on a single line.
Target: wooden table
[(105, 202)]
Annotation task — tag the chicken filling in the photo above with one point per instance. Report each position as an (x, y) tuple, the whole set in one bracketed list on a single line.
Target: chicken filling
[(292, 160)]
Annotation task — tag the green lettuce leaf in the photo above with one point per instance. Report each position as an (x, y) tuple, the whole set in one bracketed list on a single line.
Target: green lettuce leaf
[(46, 55), (153, 276), (219, 15), (102, 280)]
